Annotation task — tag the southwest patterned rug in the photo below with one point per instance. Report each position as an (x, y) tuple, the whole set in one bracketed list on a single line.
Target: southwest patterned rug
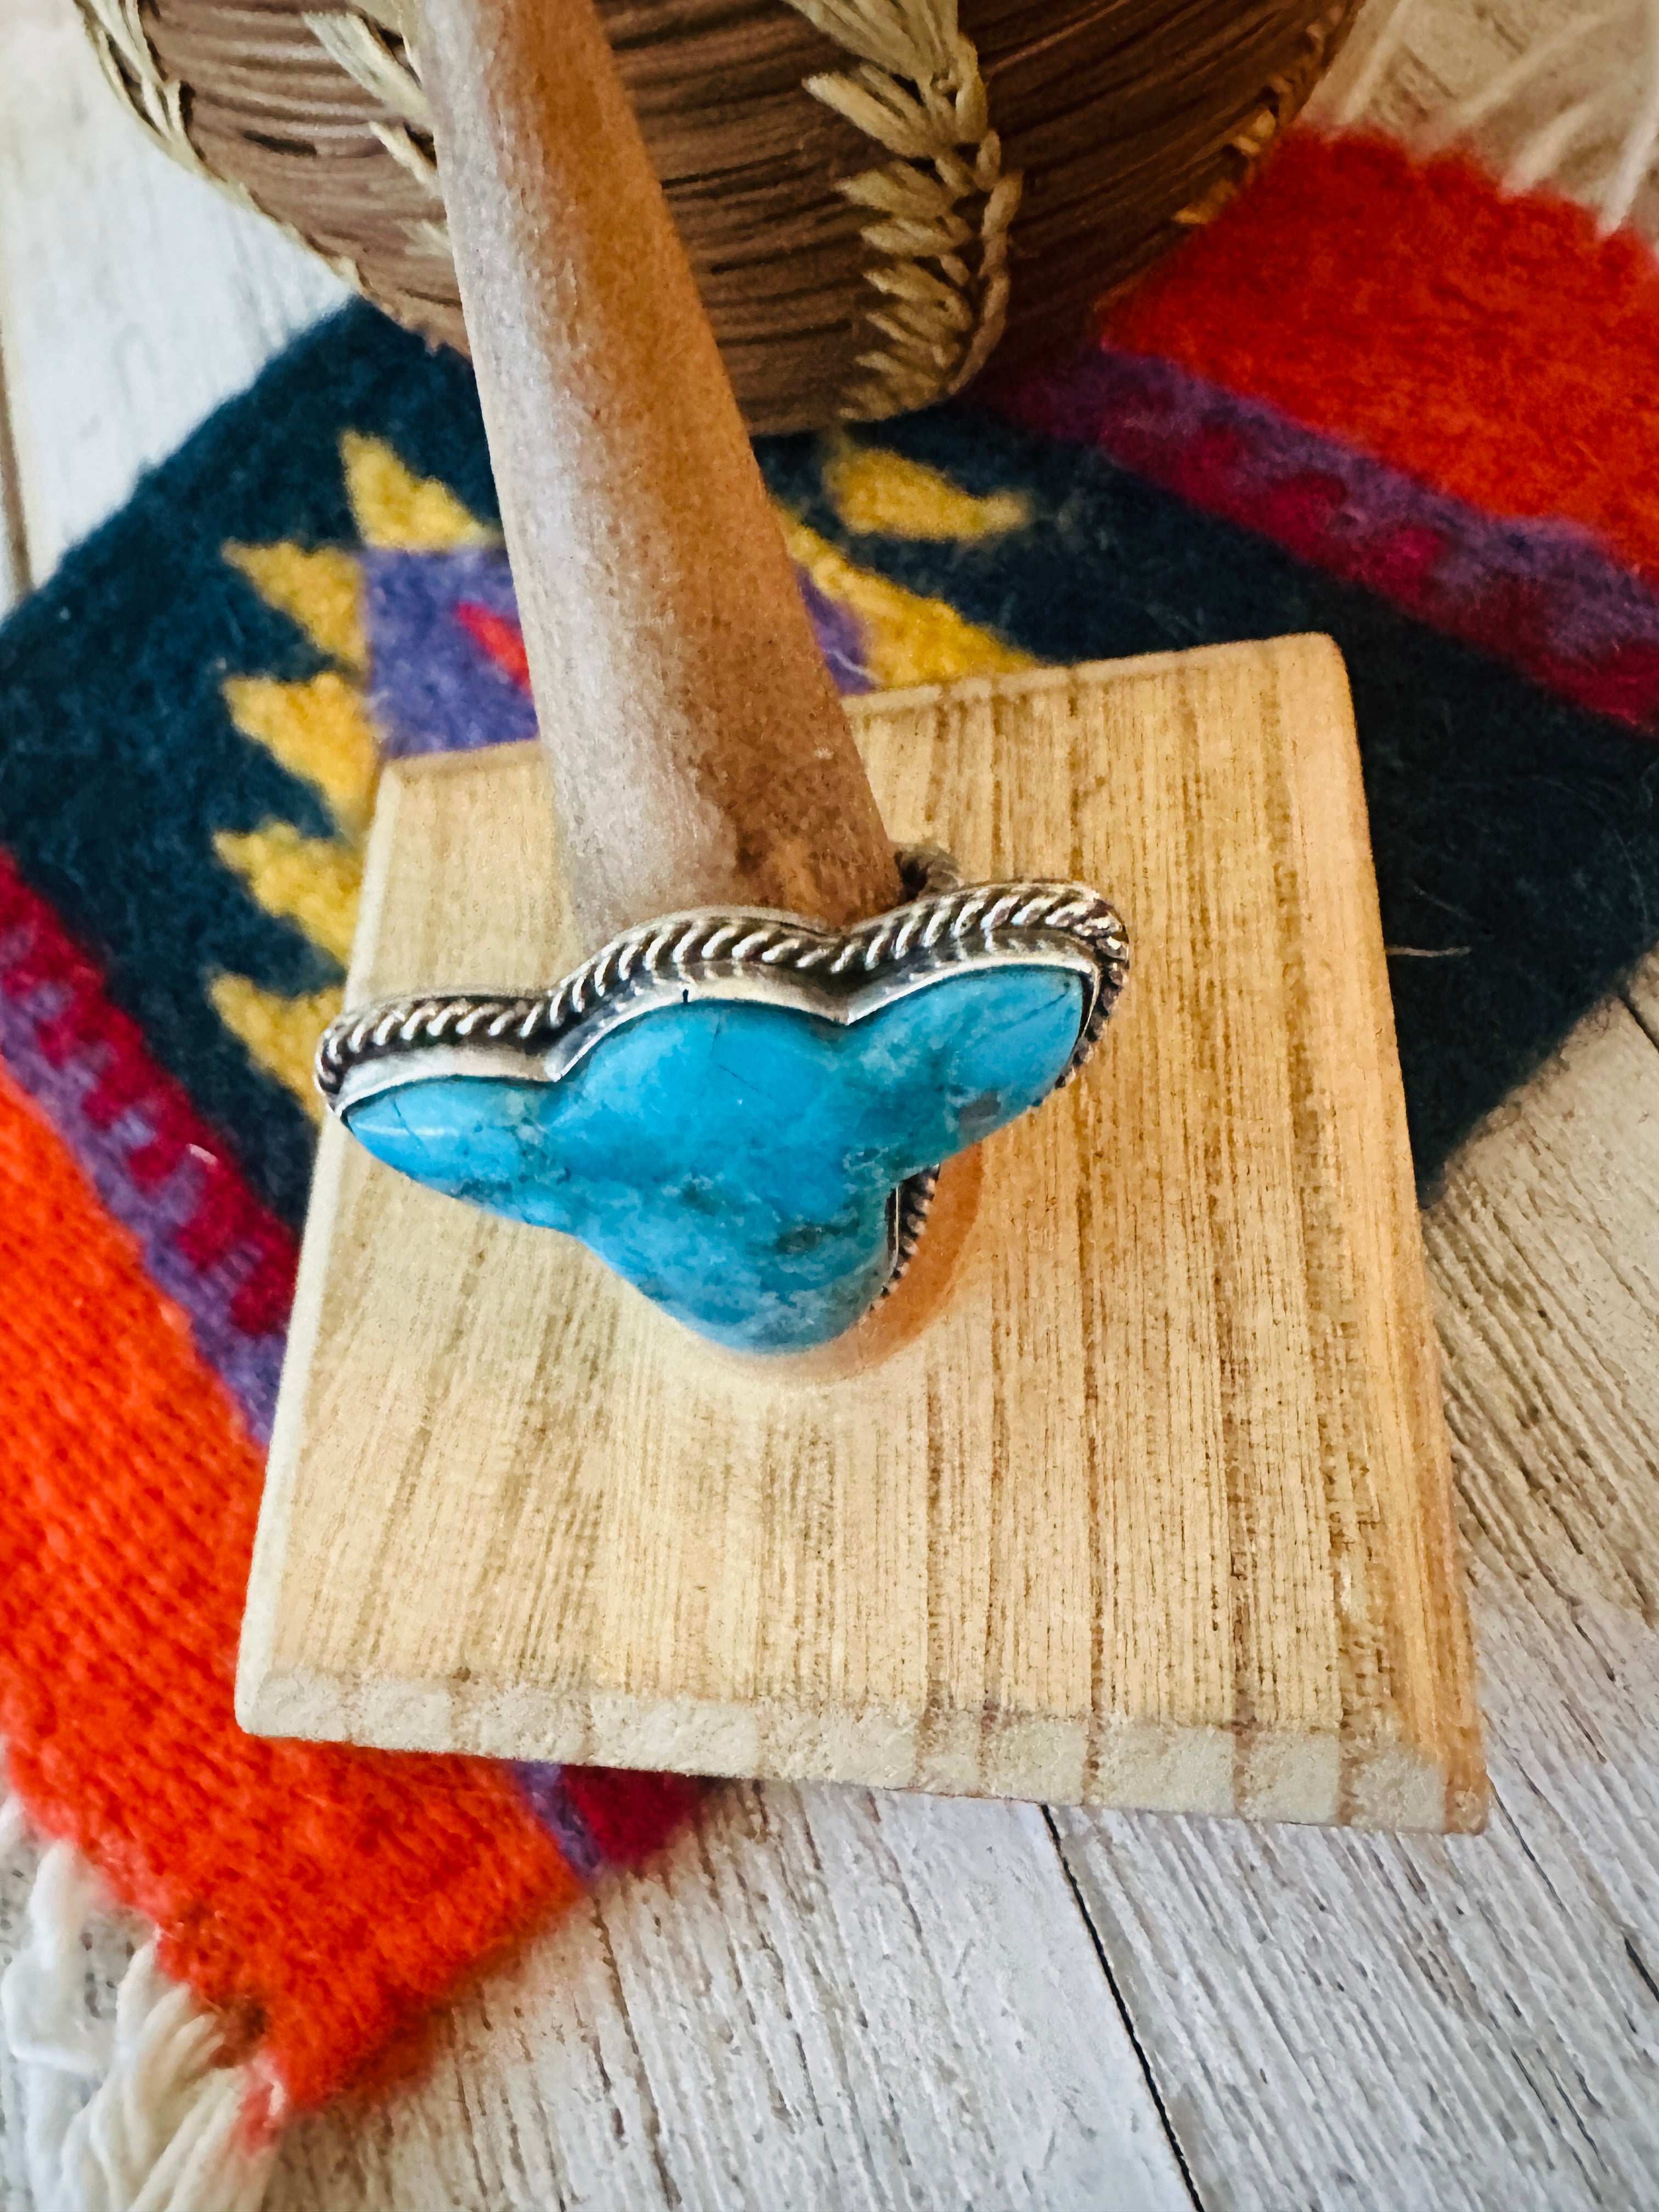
[(1374, 400)]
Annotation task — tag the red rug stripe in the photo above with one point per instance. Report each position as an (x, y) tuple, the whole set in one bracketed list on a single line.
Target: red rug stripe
[(323, 1899), (1365, 295)]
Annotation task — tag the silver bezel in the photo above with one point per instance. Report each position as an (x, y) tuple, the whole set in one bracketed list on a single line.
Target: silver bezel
[(752, 955), (744, 954)]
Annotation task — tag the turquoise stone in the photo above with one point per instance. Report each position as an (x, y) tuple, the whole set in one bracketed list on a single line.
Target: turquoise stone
[(733, 1161)]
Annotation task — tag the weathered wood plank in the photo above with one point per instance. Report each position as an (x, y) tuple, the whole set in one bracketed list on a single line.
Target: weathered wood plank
[(825, 1997), (1473, 2022), (820, 1998), (133, 298)]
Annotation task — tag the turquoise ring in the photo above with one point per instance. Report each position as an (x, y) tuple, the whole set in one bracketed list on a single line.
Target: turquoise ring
[(742, 1112)]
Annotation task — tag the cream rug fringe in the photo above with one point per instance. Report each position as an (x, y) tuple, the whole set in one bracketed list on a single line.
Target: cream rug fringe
[(1577, 106), (130, 2115)]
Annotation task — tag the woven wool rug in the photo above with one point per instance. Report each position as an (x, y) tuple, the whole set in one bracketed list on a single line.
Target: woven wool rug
[(1375, 400)]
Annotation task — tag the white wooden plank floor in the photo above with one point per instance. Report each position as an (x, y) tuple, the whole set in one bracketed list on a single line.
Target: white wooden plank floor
[(840, 1998), (133, 298)]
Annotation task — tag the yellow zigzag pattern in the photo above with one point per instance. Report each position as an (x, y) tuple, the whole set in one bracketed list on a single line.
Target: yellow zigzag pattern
[(322, 592), (879, 492), (908, 640), (321, 731)]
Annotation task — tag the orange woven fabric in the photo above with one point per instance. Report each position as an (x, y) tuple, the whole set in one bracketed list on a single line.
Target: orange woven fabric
[(132, 1494), (1418, 314)]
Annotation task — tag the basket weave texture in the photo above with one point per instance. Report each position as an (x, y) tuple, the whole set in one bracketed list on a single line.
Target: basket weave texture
[(874, 194)]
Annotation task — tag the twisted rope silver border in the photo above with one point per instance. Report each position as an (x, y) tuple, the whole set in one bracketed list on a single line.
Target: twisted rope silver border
[(740, 953), (747, 953), (908, 1210)]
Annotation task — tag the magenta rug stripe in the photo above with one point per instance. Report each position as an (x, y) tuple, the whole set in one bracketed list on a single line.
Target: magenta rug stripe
[(158, 1211), (1540, 595)]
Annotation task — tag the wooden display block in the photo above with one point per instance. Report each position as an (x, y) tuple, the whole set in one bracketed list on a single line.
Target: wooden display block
[(1138, 1493)]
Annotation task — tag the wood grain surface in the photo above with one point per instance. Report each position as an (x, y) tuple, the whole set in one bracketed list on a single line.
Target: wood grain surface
[(1384, 2022), (1150, 1503), (832, 1996)]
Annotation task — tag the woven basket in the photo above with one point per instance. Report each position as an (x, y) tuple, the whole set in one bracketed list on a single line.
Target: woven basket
[(874, 194)]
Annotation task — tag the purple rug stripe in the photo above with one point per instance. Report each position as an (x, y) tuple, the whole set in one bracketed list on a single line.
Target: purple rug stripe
[(250, 1367), (543, 1785), (435, 689), (840, 635), (1539, 594)]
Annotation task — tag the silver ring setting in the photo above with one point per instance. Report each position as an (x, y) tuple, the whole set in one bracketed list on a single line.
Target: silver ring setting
[(743, 954)]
